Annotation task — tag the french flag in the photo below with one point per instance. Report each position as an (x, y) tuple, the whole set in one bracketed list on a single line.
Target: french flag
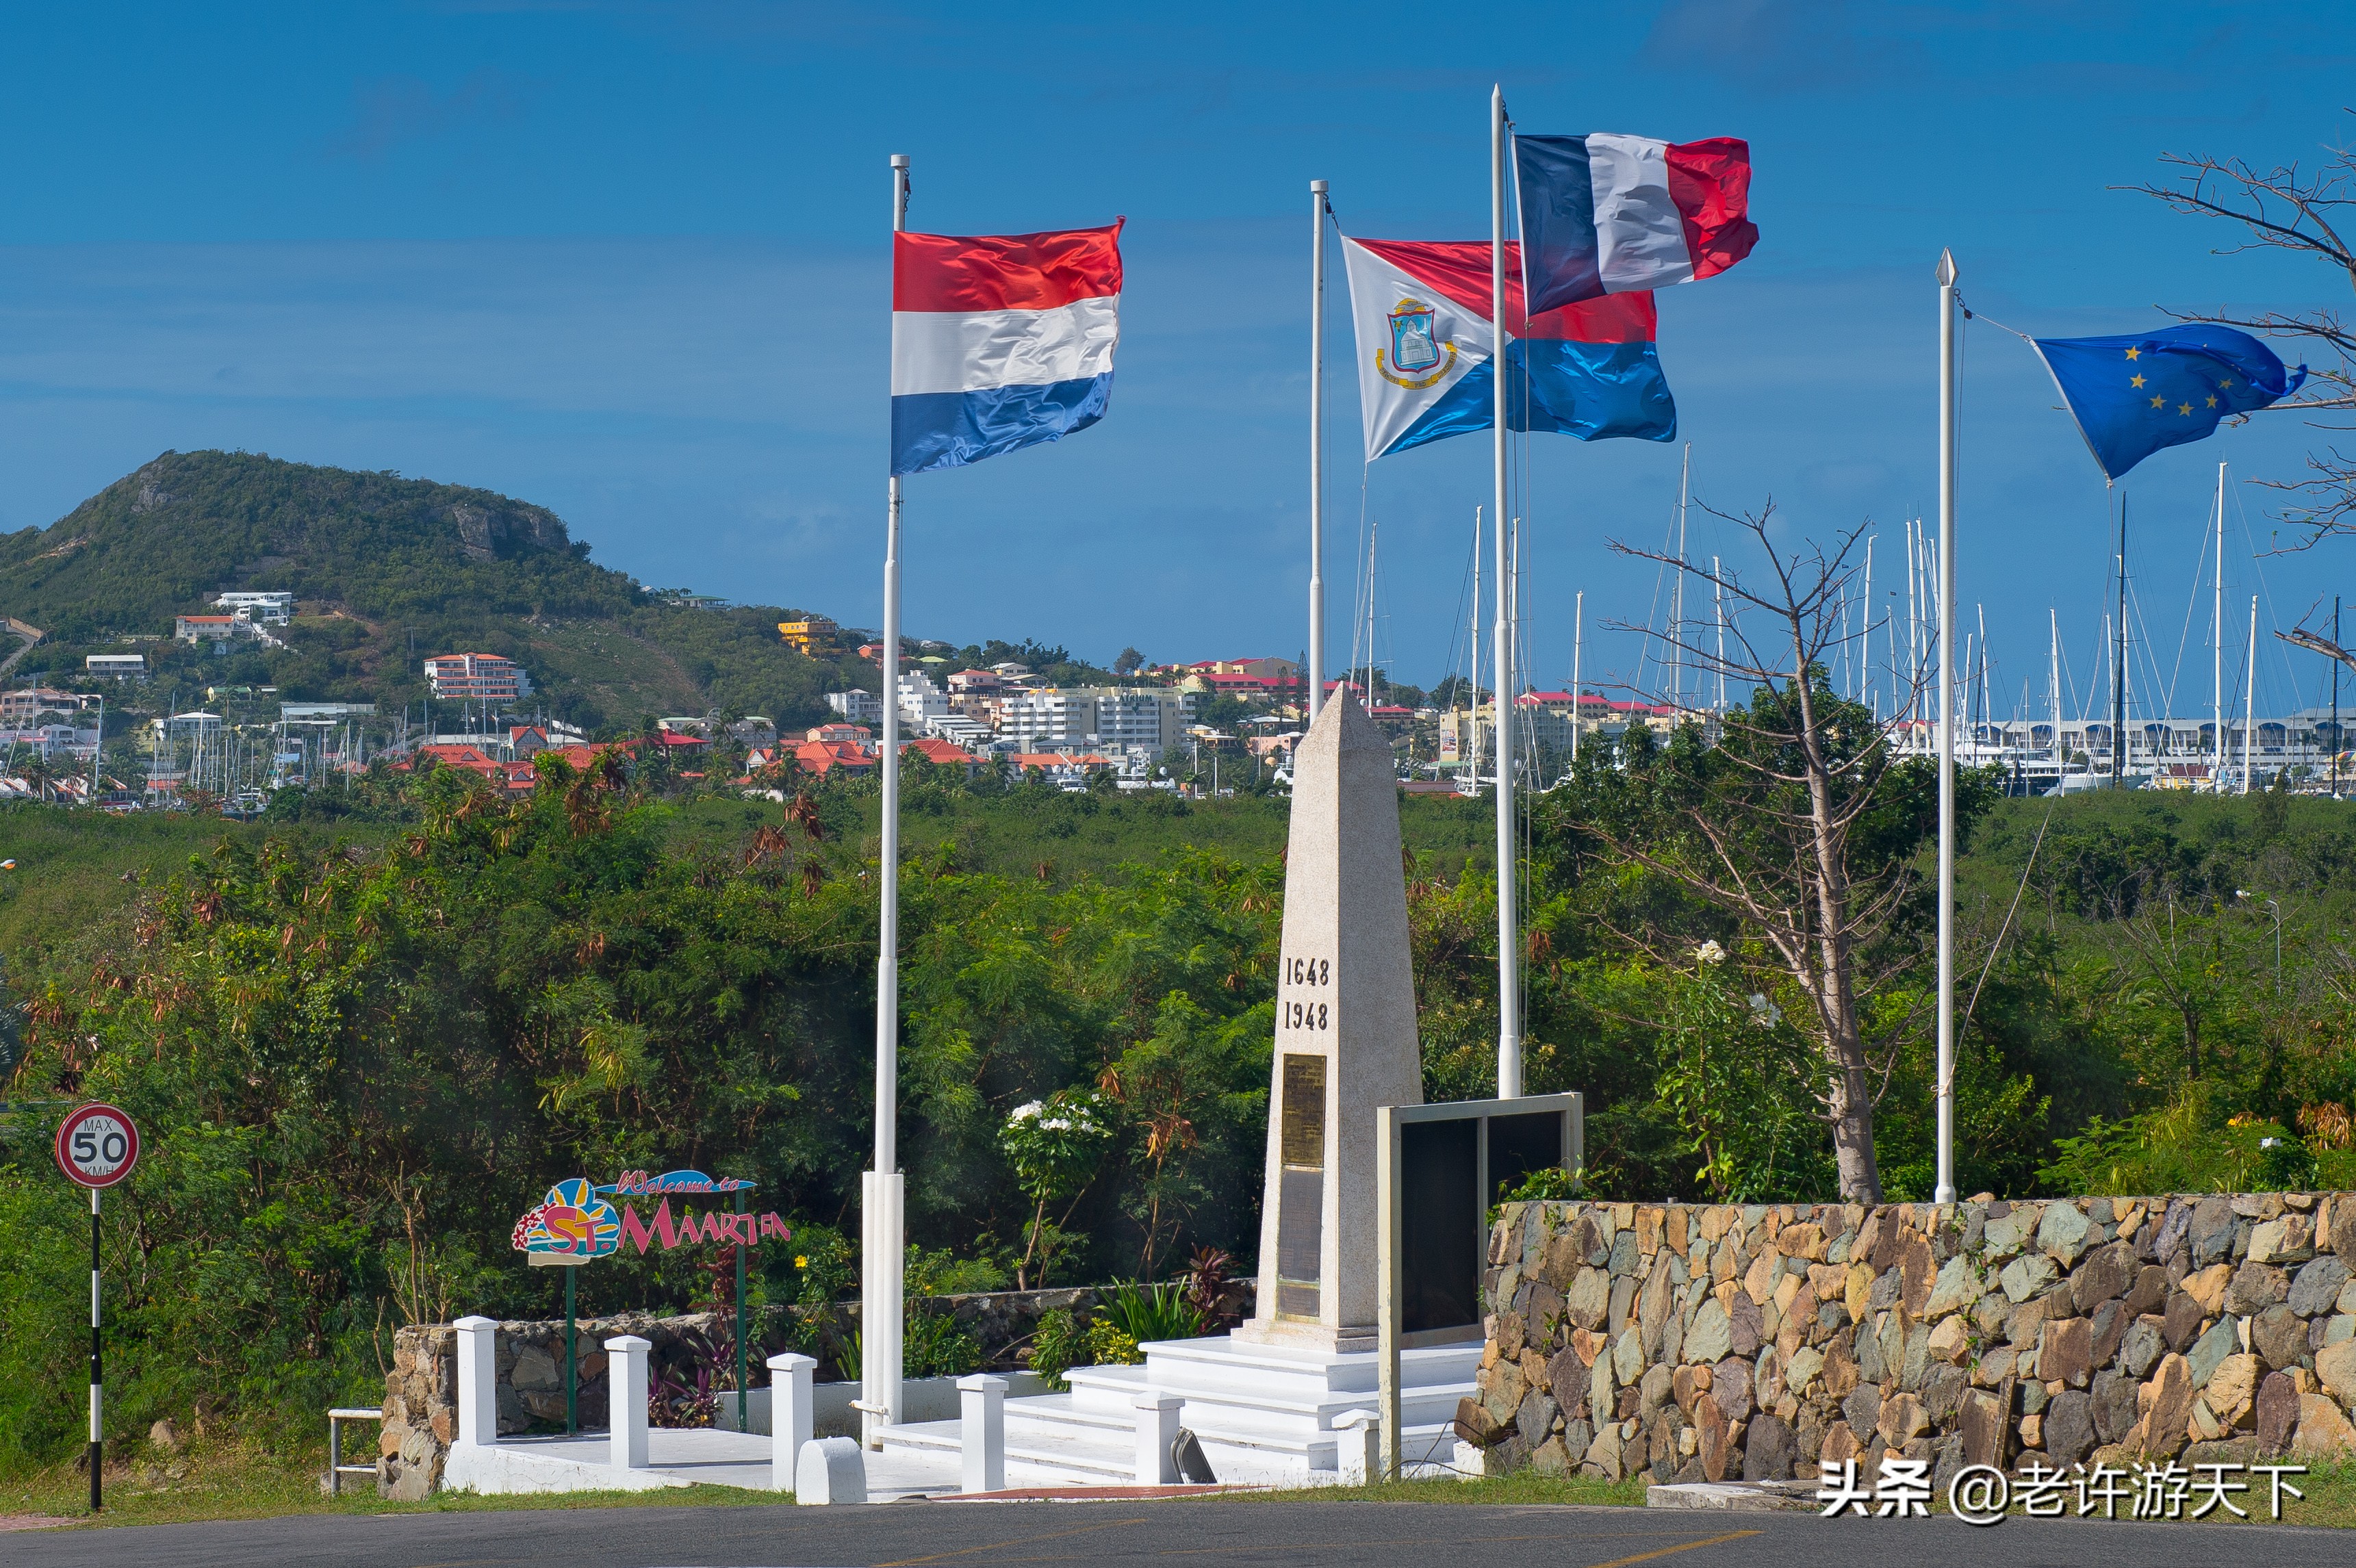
[(1611, 215), (1000, 341)]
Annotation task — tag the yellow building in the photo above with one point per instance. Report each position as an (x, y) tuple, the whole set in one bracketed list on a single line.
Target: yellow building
[(804, 636)]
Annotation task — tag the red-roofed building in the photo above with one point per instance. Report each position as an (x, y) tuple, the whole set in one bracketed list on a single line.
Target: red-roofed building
[(508, 778), (1064, 767), (823, 757), (942, 753), (584, 757)]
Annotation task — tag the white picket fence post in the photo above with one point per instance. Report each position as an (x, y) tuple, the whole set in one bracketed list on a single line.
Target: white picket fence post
[(478, 1382), (982, 1432), (1357, 1447), (790, 1418), (1157, 1430), (626, 1385)]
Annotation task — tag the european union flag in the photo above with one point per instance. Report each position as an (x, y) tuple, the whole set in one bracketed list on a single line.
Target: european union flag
[(2135, 394)]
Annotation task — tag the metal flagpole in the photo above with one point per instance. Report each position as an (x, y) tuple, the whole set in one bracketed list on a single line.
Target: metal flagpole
[(1317, 209), (883, 1189), (1947, 1188), (1509, 998), (2217, 652)]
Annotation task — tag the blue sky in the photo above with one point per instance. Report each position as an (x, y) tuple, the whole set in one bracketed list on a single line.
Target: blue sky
[(629, 260)]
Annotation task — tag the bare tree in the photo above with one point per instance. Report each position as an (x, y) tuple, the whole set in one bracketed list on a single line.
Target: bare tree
[(1800, 822), (2309, 214)]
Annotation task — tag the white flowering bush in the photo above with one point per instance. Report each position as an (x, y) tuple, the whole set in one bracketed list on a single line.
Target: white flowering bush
[(1054, 1145)]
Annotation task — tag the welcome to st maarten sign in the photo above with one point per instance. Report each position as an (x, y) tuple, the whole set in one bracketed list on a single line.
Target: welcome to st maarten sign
[(575, 1221)]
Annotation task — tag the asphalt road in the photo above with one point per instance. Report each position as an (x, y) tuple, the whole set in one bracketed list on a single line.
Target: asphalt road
[(1171, 1534)]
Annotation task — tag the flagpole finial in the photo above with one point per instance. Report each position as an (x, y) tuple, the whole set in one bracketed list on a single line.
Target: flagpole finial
[(1317, 187), (1948, 268)]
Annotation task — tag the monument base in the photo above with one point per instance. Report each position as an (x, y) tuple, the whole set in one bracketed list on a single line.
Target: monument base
[(1264, 1413), (1349, 1339)]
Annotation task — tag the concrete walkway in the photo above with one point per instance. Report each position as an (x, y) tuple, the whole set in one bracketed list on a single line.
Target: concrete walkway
[(675, 1457)]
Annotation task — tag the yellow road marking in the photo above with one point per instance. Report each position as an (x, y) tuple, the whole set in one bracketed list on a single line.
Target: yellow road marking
[(996, 1545), (1689, 1546)]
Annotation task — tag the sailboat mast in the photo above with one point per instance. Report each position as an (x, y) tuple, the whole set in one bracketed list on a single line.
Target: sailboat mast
[(2250, 699), (1719, 583), (2053, 688), (1677, 593), (1577, 644), (1473, 697), (1982, 611), (1865, 632), (2119, 665)]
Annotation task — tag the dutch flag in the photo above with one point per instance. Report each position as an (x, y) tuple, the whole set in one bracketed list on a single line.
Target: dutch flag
[(1611, 215), (1000, 341)]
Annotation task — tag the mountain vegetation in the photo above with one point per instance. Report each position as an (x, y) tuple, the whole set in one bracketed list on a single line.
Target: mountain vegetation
[(385, 572)]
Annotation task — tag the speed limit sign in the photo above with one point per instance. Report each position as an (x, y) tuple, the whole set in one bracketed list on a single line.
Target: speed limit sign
[(97, 1145)]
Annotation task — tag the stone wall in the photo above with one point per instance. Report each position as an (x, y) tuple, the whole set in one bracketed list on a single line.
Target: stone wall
[(420, 1395), (421, 1392), (1709, 1343)]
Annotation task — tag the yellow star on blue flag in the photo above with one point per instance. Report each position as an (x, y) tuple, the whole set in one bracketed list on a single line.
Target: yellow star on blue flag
[(2136, 393)]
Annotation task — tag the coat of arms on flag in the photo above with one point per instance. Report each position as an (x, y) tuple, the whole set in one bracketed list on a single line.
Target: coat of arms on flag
[(1414, 351)]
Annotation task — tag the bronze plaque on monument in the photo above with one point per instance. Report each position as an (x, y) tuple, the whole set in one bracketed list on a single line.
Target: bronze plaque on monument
[(1304, 1111), (1301, 1226)]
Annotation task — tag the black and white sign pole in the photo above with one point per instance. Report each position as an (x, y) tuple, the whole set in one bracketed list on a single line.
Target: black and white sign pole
[(97, 1145), (97, 1370)]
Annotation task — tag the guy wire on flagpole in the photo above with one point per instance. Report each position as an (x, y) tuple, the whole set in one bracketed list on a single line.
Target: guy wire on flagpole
[(1509, 998), (1945, 1192), (881, 1211), (1319, 209)]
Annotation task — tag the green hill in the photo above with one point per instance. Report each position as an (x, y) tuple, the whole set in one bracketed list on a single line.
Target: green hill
[(386, 570)]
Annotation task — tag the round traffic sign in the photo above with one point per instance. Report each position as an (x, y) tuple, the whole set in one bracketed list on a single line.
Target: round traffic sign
[(97, 1145)]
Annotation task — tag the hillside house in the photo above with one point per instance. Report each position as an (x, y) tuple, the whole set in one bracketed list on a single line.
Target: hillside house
[(476, 677)]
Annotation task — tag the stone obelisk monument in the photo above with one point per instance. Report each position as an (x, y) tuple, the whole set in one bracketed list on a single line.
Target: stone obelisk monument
[(1345, 1037)]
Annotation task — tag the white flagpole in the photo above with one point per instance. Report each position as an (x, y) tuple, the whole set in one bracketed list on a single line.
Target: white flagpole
[(1318, 207), (1509, 986), (2217, 652), (882, 1213), (1947, 1188)]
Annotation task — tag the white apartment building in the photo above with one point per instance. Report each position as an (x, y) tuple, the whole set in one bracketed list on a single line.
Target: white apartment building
[(1101, 717), (856, 707), (267, 609), (921, 701)]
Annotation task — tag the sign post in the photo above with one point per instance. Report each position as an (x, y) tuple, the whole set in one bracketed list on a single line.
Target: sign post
[(97, 1145), (575, 1224)]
